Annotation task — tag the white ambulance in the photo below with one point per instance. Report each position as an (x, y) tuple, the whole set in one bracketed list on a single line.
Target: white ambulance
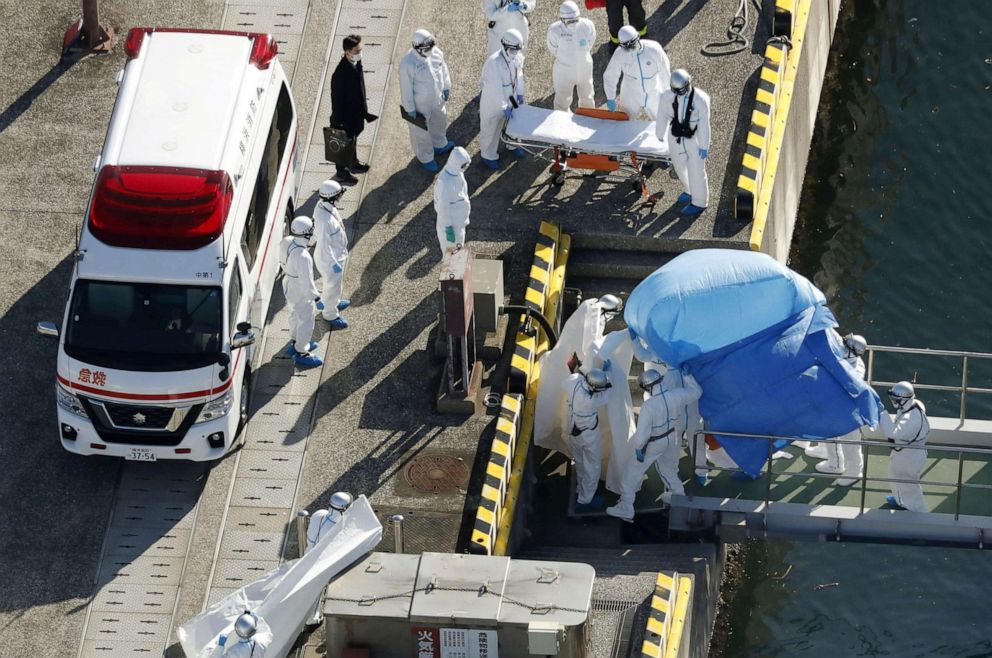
[(178, 253)]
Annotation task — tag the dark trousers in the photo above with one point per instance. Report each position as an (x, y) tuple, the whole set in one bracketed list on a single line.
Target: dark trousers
[(635, 16)]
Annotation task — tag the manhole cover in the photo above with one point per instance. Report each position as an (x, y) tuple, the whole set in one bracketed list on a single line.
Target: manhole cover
[(436, 473)]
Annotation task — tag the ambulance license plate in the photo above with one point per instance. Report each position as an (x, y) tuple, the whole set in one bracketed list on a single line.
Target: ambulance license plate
[(140, 455)]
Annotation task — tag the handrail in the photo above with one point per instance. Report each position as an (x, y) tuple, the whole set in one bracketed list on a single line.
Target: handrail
[(959, 485), (962, 389)]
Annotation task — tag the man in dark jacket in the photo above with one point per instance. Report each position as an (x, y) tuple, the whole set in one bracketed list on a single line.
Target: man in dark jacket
[(349, 108), (635, 16)]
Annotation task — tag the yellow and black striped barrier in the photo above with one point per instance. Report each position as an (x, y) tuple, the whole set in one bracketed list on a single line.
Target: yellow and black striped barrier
[(508, 458), (497, 477), (759, 134), (666, 620), (522, 362)]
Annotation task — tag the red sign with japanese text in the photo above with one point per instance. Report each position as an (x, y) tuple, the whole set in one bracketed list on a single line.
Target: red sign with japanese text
[(426, 642)]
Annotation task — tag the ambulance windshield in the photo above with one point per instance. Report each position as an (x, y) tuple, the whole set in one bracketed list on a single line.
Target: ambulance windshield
[(144, 326)]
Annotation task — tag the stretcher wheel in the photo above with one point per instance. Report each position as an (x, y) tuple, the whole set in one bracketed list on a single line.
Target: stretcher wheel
[(558, 179)]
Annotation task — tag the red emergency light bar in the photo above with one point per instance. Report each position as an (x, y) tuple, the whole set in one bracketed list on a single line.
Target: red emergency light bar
[(263, 50), (160, 207)]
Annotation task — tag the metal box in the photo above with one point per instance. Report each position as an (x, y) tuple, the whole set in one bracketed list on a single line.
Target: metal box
[(456, 291), (487, 288), (440, 605)]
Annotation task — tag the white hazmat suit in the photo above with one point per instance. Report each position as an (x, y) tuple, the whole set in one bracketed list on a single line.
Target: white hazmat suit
[(845, 459), (451, 202), (300, 290), (646, 72), (502, 77), (687, 152), (501, 18), (571, 46), (907, 427), (660, 427), (330, 255), (423, 83), (235, 647), (582, 428)]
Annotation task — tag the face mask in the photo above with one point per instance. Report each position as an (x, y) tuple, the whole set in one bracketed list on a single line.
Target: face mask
[(355, 59)]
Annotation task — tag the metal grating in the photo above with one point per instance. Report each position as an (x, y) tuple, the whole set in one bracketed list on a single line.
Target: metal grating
[(269, 464), (135, 598)]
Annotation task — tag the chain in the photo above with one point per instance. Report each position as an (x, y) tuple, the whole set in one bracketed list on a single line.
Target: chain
[(482, 589)]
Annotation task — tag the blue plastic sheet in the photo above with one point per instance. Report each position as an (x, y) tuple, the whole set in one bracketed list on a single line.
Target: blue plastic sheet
[(706, 299), (759, 340)]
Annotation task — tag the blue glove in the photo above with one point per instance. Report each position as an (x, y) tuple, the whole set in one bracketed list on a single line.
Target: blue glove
[(703, 153), (520, 98), (611, 105), (320, 304), (607, 365), (513, 6), (337, 269), (582, 43), (449, 233), (412, 114), (508, 112), (446, 94), (640, 454), (222, 640)]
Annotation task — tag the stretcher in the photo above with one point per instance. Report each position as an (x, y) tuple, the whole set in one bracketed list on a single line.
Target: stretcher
[(588, 140)]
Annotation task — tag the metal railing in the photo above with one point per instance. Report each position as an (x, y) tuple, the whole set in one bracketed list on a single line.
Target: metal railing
[(962, 390), (770, 473)]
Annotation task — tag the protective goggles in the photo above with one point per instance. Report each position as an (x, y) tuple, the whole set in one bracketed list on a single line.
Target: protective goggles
[(425, 47), (511, 47), (630, 45), (569, 21), (683, 90)]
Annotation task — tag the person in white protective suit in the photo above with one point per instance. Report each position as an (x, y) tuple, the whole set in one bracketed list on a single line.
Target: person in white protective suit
[(684, 125), (846, 459), (907, 431), (570, 41), (425, 86), (451, 202), (657, 440), (646, 71), (503, 15), (587, 393), (331, 252), (300, 290), (320, 523), (502, 91), (246, 641)]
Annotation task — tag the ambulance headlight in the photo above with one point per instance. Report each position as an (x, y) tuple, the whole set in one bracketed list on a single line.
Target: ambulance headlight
[(69, 402), (216, 408)]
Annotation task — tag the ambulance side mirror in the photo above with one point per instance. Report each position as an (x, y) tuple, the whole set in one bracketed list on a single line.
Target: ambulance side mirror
[(244, 337), (48, 329)]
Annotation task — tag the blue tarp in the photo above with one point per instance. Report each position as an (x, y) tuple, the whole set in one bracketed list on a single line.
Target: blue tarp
[(759, 340)]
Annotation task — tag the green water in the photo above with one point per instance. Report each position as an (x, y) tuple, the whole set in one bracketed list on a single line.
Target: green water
[(895, 228)]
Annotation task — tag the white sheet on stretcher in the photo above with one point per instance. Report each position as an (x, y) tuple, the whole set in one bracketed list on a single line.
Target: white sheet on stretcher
[(587, 134)]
